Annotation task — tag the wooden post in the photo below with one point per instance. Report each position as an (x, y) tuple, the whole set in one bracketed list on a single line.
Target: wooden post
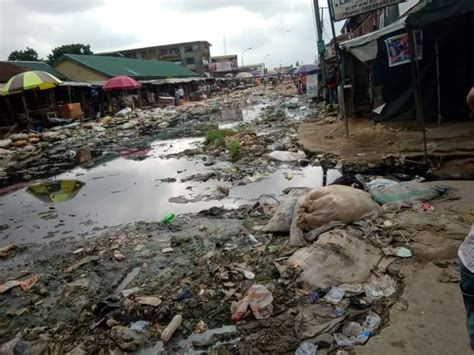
[(29, 122), (69, 94), (342, 106), (438, 78), (415, 71)]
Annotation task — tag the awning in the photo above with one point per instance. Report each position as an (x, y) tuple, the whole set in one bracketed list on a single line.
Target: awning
[(173, 81), (438, 11), (365, 47)]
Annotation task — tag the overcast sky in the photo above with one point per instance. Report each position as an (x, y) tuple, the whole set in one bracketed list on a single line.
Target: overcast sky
[(282, 28)]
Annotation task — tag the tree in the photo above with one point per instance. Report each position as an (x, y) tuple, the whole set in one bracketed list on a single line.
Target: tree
[(27, 54), (77, 48)]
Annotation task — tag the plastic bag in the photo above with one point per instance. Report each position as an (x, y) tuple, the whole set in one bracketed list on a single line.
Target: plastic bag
[(259, 298)]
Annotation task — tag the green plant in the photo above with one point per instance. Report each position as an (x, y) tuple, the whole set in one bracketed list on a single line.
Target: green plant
[(217, 136), (235, 150)]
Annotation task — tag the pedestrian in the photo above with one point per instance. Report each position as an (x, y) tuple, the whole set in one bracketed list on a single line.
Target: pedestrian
[(332, 82), (466, 258), (181, 93), (176, 97)]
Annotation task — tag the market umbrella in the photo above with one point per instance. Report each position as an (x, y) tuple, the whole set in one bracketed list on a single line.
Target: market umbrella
[(121, 83), (55, 191), (34, 79), (244, 75), (306, 69)]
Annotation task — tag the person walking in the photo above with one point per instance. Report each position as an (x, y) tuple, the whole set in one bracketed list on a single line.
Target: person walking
[(332, 82), (466, 258)]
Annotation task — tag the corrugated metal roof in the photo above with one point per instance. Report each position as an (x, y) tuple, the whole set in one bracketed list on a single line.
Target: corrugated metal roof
[(135, 68), (31, 65)]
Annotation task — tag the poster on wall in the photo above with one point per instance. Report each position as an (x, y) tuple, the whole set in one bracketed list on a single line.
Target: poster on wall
[(223, 63), (347, 8), (312, 86), (398, 48)]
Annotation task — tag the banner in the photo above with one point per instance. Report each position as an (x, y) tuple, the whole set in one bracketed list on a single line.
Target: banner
[(312, 85), (398, 48), (223, 64), (347, 8)]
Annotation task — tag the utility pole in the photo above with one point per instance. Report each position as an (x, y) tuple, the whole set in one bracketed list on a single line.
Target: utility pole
[(321, 46)]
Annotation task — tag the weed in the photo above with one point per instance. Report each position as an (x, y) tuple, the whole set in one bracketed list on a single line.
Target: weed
[(235, 150)]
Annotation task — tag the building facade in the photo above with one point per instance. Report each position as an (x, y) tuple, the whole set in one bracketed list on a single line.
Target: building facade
[(192, 55)]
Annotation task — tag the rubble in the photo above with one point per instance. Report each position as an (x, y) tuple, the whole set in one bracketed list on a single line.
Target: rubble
[(179, 279)]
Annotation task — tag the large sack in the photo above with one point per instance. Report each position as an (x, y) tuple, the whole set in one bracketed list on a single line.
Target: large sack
[(335, 203), (407, 191), (281, 220), (337, 257), (296, 233)]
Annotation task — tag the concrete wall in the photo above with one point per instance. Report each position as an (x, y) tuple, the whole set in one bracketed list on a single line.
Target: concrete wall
[(78, 72)]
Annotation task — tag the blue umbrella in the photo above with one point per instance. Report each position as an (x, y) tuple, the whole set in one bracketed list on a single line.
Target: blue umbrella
[(307, 69)]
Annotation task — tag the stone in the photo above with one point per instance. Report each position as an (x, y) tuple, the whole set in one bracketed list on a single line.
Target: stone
[(50, 136), (5, 143), (19, 137), (5, 152), (126, 338), (33, 139), (127, 125), (20, 143)]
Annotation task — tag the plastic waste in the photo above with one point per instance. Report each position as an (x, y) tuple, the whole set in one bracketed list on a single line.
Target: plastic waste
[(259, 298), (171, 328), (403, 252), (313, 297), (306, 348), (140, 326), (168, 218), (373, 292), (372, 321), (335, 295)]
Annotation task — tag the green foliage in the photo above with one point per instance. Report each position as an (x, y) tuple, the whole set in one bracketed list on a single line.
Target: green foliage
[(76, 48), (217, 136), (235, 150), (27, 54)]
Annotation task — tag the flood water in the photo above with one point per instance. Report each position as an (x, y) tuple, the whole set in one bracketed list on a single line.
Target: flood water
[(128, 188)]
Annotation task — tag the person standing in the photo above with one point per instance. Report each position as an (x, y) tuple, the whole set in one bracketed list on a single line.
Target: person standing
[(466, 258), (332, 83)]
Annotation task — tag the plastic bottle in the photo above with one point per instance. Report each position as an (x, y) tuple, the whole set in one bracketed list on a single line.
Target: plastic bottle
[(168, 218)]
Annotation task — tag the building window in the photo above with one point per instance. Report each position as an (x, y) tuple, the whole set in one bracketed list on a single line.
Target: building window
[(174, 51), (188, 49), (190, 60), (164, 51)]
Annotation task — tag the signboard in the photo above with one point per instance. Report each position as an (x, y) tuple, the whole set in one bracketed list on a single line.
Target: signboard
[(342, 9), (223, 64), (312, 86), (398, 48), (321, 47)]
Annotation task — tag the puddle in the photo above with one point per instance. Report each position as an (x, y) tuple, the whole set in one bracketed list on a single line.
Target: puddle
[(230, 118), (123, 189), (187, 346)]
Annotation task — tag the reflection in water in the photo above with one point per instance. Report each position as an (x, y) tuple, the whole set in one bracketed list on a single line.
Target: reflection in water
[(55, 191)]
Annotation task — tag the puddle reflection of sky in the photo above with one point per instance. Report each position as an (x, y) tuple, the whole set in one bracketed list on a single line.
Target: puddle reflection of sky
[(124, 190)]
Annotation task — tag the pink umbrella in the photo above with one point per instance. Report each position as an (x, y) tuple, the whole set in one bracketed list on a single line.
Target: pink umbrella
[(121, 83)]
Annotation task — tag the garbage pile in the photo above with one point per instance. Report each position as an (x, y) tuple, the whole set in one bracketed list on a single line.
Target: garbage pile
[(220, 279)]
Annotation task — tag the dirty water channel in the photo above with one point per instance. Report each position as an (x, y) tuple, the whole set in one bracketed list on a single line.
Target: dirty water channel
[(142, 185)]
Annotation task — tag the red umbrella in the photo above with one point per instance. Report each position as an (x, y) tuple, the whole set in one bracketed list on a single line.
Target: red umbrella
[(121, 83)]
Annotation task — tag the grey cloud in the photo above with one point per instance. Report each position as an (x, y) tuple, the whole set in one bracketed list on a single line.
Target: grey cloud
[(264, 7), (58, 6)]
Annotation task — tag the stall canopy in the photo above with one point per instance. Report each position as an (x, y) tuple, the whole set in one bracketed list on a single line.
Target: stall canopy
[(365, 47), (121, 83), (35, 79)]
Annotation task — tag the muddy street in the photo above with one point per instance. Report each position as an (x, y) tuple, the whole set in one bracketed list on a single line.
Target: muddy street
[(218, 232)]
